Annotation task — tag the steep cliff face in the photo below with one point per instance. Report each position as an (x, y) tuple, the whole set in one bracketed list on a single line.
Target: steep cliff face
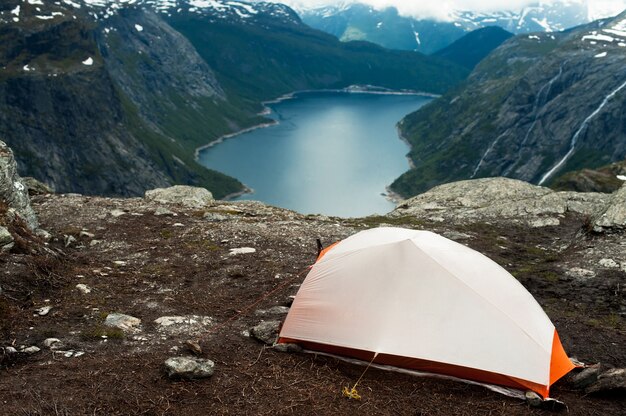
[(84, 119), (538, 106)]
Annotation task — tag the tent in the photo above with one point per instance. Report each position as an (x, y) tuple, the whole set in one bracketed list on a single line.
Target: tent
[(416, 300)]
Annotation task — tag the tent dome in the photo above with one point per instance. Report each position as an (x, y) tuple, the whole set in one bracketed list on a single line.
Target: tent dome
[(421, 301)]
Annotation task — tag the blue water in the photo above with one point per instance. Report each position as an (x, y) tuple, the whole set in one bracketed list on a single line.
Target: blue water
[(330, 153)]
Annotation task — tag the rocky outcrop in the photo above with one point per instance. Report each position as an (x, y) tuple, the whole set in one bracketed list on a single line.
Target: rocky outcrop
[(614, 216), (189, 368), (13, 192), (187, 196), (499, 199)]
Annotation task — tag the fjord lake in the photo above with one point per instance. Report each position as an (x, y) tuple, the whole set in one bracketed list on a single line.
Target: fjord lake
[(330, 153)]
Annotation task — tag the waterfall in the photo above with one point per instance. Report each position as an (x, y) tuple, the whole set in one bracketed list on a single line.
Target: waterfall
[(579, 131)]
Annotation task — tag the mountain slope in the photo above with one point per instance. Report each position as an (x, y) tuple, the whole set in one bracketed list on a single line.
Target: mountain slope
[(538, 106), (473, 47), (111, 98)]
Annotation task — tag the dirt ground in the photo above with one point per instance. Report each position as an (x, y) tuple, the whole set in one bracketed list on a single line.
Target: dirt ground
[(150, 266)]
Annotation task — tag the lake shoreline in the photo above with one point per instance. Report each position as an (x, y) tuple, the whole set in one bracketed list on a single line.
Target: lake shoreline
[(267, 110)]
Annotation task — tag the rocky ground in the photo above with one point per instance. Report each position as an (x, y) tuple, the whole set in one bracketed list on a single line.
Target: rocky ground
[(198, 275)]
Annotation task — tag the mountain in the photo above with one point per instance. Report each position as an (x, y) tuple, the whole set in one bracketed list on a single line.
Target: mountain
[(473, 47), (538, 106), (390, 29), (111, 98)]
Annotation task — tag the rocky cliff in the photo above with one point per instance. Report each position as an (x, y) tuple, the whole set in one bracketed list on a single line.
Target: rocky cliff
[(540, 105)]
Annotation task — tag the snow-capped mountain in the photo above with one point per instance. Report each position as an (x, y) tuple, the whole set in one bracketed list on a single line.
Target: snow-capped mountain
[(104, 9), (389, 28)]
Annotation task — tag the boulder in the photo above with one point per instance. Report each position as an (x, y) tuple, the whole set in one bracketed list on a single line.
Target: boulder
[(13, 192), (266, 332), (614, 216), (189, 368), (187, 196), (126, 323), (502, 199), (610, 381)]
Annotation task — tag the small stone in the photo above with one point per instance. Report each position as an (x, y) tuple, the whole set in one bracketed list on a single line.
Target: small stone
[(10, 350), (43, 311), (194, 347), (119, 263), (266, 332), (83, 288), (608, 263), (163, 211), (455, 235), (545, 222), (287, 348), (6, 239), (87, 234), (190, 325), (178, 224), (69, 240), (31, 350), (189, 368), (274, 310), (580, 274), (533, 399), (49, 342), (241, 250), (43, 234), (123, 322), (94, 242), (117, 213)]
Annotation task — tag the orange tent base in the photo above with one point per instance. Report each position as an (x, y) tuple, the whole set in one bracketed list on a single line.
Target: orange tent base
[(560, 365)]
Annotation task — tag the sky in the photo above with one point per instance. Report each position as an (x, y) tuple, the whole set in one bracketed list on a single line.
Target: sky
[(442, 8)]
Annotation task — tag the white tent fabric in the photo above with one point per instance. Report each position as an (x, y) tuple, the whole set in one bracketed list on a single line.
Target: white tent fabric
[(416, 294)]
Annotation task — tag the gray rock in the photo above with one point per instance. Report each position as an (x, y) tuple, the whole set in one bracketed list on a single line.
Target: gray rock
[(274, 310), (126, 323), (12, 190), (608, 263), (36, 187), (6, 240), (586, 377), (266, 332), (287, 348), (43, 234), (43, 311), (83, 288), (189, 368), (533, 399), (581, 274), (610, 381), (117, 213), (188, 325), (49, 342), (69, 240), (499, 199), (31, 350), (187, 196), (241, 250), (614, 216), (10, 350), (163, 211)]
